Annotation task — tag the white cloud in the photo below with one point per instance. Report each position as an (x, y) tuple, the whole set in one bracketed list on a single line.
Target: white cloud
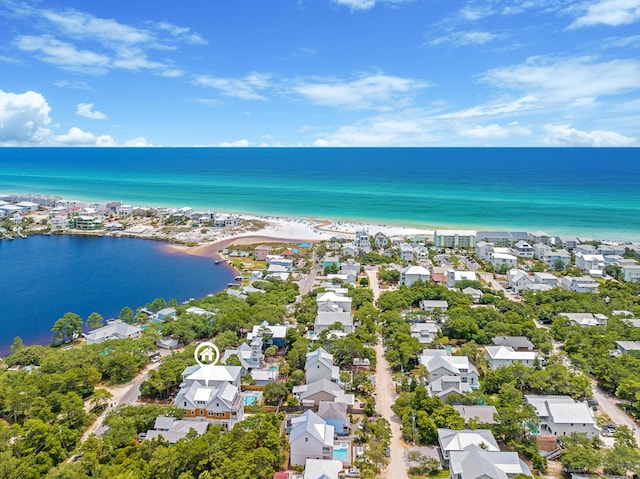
[(77, 137), (376, 91), (113, 44), (565, 135), (237, 143), (86, 110), (140, 141), (494, 131), (461, 39), (63, 54), (569, 78), (608, 12), (496, 108), (24, 118), (73, 84), (246, 88), (366, 4)]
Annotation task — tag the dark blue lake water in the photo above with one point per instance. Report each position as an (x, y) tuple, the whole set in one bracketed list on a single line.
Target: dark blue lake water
[(43, 277)]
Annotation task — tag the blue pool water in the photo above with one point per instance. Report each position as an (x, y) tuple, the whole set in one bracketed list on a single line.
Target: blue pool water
[(341, 454), (250, 399)]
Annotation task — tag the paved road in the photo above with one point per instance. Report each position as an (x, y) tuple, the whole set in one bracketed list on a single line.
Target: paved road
[(385, 397), (306, 284), (608, 404), (385, 389)]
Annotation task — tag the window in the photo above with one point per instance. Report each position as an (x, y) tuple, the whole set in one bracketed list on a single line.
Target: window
[(306, 439)]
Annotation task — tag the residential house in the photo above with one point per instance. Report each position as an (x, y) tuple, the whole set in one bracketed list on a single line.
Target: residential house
[(439, 363), (172, 429), (484, 250), (333, 308), (631, 273), (319, 365), (350, 268), (321, 390), (454, 238), (452, 440), (540, 251), (477, 463), (212, 374), (362, 241), (586, 320), (406, 252), (262, 377), (162, 314), (475, 294), (479, 414), (546, 278), (611, 249), (425, 332), (539, 237), (349, 249), (586, 249), (433, 304), (86, 223), (439, 274), (322, 469), (523, 249), (279, 260), (411, 274), (517, 343), (567, 242), (499, 356), (271, 334), (330, 260), (445, 386), (261, 252), (498, 238), (203, 396), (455, 276), (556, 258), (116, 330), (518, 280), (380, 240), (590, 263), (335, 414), (629, 347), (580, 284), (310, 438), (59, 221), (250, 356), (561, 415), (501, 259)]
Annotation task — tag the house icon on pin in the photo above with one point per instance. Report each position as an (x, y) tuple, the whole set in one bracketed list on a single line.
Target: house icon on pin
[(207, 355)]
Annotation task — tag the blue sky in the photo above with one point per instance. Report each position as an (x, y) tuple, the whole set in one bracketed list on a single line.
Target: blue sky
[(320, 73)]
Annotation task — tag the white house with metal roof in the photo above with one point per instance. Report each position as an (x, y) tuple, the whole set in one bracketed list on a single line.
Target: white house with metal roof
[(310, 438)]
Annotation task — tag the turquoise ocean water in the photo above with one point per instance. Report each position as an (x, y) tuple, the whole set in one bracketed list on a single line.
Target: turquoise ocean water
[(592, 192)]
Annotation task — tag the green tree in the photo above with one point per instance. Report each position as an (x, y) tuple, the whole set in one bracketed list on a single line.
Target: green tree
[(271, 350), (17, 345), (579, 453), (274, 393), (66, 327), (94, 321), (126, 315)]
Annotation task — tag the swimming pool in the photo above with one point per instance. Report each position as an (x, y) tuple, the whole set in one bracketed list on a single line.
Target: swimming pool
[(250, 399), (341, 452)]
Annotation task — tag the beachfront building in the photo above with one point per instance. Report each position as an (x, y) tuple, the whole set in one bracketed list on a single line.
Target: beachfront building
[(115, 330), (496, 238), (454, 238), (380, 240), (411, 274), (86, 223), (362, 241), (561, 415)]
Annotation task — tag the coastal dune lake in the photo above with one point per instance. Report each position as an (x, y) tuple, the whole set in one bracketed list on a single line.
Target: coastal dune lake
[(44, 277)]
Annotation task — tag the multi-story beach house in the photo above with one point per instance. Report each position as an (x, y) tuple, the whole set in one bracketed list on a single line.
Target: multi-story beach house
[(454, 238)]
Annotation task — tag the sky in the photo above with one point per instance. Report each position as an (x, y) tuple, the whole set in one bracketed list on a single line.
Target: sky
[(320, 73)]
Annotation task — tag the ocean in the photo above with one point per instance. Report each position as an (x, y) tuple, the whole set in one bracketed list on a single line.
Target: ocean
[(44, 277), (588, 192)]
